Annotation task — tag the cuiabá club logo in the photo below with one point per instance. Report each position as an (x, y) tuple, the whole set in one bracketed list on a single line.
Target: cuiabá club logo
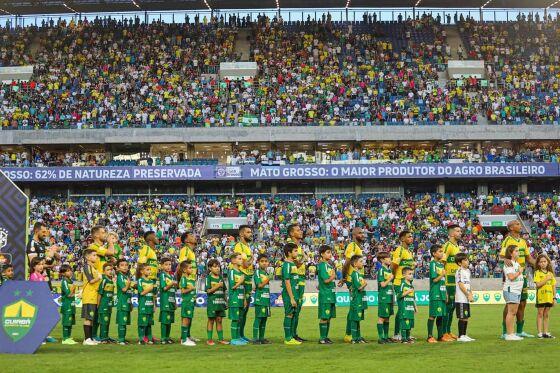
[(3, 237), (18, 318)]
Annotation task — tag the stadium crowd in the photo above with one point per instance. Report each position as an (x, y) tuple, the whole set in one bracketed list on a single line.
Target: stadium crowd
[(109, 73), (45, 158), (324, 220)]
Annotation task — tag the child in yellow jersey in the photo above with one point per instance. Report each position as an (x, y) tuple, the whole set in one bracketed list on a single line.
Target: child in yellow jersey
[(545, 282)]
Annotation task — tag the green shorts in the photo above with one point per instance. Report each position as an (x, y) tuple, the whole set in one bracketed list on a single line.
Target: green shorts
[(262, 311), (356, 314), (187, 311), (327, 311), (450, 294), (104, 318), (145, 319), (234, 313), (166, 317), (288, 309), (385, 310), (437, 308), (123, 317), (525, 290), (68, 319), (213, 313), (407, 324)]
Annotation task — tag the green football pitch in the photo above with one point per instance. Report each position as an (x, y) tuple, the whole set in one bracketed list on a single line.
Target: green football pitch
[(486, 353)]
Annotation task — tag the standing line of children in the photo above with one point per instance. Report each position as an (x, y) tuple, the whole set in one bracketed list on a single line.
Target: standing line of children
[(99, 292)]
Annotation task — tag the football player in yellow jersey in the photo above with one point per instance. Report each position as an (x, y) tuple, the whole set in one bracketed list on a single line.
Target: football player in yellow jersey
[(187, 252), (353, 248), (103, 245), (242, 247), (514, 238), (295, 236), (147, 254), (450, 249), (401, 257)]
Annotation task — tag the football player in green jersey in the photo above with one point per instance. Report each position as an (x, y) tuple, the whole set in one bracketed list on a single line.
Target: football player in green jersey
[(407, 307), (187, 285), (438, 296), (68, 307), (105, 301), (216, 304), (385, 308), (146, 303), (236, 298), (327, 294), (124, 299), (290, 292), (262, 300), (358, 299), (167, 292)]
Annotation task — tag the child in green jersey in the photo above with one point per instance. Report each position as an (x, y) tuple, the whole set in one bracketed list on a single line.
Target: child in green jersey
[(124, 299), (407, 306), (327, 294), (385, 307), (290, 292), (236, 298), (167, 292), (216, 305), (105, 302), (68, 306), (438, 296), (262, 300), (358, 300), (146, 303), (187, 285)]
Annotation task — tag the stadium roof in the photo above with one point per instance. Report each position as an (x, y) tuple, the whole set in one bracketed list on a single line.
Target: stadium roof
[(20, 7)]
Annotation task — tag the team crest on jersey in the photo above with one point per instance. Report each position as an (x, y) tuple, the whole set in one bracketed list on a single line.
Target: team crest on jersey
[(439, 309), (18, 318), (106, 318), (168, 317), (327, 312)]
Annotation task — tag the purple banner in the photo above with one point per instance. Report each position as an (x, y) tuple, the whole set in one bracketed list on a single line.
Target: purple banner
[(286, 172), (111, 173)]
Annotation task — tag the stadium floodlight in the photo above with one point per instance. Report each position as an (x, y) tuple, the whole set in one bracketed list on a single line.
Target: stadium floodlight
[(553, 4), (277, 4), (417, 3), (207, 5), (69, 8), (135, 4), (347, 4), (5, 11), (485, 4)]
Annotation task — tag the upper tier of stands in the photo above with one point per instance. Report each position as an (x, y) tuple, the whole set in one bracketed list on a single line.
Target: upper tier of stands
[(106, 73)]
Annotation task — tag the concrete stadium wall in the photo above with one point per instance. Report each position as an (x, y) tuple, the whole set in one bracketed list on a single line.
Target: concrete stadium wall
[(278, 134)]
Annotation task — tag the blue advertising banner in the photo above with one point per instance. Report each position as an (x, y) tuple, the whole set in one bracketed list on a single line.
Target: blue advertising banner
[(27, 316), (13, 226), (286, 172)]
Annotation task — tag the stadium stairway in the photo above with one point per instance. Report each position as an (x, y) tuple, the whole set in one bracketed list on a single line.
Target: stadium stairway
[(242, 44), (454, 40)]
